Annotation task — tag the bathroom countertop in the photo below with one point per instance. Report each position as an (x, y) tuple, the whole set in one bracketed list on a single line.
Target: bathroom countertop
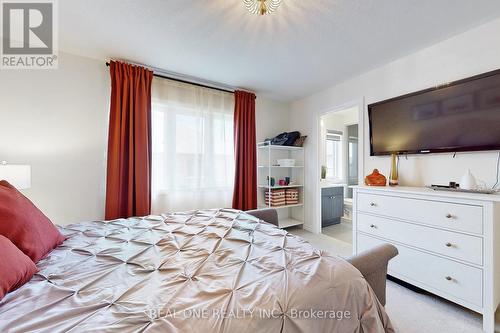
[(327, 184)]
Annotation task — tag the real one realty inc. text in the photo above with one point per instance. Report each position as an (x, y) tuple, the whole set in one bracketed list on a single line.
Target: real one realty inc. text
[(197, 313)]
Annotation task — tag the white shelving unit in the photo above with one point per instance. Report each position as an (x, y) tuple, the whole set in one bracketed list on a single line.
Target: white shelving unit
[(278, 186), (267, 156)]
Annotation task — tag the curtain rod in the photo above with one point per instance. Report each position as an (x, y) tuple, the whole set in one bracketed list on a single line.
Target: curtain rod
[(173, 78)]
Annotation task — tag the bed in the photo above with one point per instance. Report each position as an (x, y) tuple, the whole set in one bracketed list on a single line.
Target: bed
[(205, 271)]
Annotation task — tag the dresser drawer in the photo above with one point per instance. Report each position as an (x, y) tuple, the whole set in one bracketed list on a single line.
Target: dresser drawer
[(454, 216), (459, 246), (441, 276)]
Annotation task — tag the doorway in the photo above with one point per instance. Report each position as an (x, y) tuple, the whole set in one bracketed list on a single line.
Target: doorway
[(340, 162)]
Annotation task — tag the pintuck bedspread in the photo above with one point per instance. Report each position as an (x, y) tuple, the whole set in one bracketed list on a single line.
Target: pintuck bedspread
[(200, 271)]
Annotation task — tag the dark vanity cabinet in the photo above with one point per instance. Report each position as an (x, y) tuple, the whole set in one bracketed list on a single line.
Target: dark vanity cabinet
[(332, 205)]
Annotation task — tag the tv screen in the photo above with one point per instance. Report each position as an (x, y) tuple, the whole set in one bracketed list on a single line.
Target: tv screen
[(461, 116)]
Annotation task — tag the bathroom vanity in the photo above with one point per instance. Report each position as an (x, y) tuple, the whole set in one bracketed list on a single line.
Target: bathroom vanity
[(332, 204)]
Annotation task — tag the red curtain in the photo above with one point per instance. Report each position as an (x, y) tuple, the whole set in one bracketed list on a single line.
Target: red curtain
[(128, 185), (245, 148)]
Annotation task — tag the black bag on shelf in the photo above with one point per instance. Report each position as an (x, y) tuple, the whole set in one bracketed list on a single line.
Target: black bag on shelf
[(285, 139)]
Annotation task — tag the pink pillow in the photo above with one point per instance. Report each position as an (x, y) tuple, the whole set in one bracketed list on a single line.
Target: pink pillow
[(16, 267), (25, 225)]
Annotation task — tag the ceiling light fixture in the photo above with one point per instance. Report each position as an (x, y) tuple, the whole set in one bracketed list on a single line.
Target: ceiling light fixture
[(262, 7)]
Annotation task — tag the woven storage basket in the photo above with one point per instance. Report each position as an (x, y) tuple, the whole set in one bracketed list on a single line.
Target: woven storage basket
[(292, 196), (276, 197)]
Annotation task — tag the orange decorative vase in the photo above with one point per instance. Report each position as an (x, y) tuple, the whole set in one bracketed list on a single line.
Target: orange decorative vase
[(375, 179)]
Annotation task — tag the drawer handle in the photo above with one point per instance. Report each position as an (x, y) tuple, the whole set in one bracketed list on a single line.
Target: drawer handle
[(449, 278), (332, 197), (449, 216), (449, 244), (373, 204), (373, 226)]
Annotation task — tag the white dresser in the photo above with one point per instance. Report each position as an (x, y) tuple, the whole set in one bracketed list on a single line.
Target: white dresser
[(449, 243)]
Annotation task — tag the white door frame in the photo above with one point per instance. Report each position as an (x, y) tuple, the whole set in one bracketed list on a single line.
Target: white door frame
[(360, 104)]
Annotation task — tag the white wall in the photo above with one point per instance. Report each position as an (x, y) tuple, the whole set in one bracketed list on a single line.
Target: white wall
[(272, 118), (57, 121), (473, 52)]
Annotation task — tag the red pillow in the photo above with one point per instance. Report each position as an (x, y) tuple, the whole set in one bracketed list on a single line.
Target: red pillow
[(25, 225), (16, 267)]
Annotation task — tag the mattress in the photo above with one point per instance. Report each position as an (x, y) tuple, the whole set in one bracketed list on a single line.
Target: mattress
[(202, 271)]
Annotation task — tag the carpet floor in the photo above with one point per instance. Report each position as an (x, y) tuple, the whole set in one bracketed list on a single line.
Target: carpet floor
[(341, 231)]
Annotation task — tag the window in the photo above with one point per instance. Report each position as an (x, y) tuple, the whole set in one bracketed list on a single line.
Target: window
[(193, 152), (334, 155)]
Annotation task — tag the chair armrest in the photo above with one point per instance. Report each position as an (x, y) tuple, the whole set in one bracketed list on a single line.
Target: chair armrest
[(269, 215), (373, 265)]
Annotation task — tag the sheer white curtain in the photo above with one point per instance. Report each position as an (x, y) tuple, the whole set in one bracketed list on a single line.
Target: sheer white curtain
[(193, 150)]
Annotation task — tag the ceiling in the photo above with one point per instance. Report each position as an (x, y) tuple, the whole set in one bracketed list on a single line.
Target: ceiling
[(304, 47)]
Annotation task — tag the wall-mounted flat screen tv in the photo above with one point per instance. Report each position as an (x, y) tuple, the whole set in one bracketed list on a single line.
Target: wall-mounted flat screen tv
[(460, 116)]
